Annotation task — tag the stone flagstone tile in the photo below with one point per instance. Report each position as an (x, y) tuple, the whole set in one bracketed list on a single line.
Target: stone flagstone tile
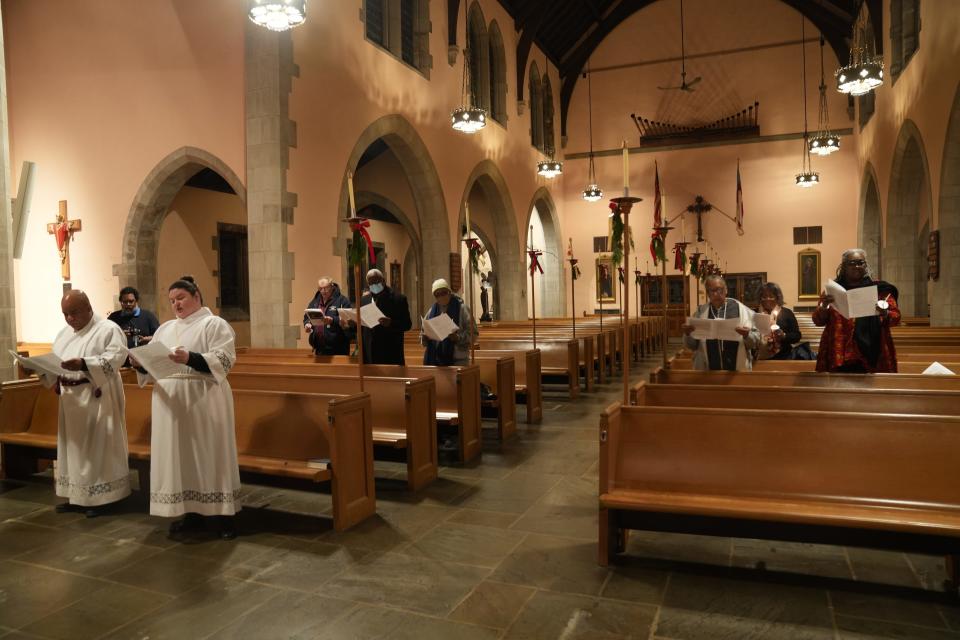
[(415, 584), (30, 593), (199, 612), (514, 494), (88, 555), (18, 537), (707, 608), (228, 552), (298, 564), (96, 614), (633, 579), (680, 547), (493, 519), (370, 623), (553, 615), (865, 629), (882, 567), (492, 604), (167, 572), (792, 557), (298, 616), (557, 564), (931, 571), (36, 492), (849, 603), (480, 546), (392, 526), (569, 508)]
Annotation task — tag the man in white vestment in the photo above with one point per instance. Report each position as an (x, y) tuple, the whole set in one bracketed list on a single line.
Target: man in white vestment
[(723, 355), (91, 468), (193, 447)]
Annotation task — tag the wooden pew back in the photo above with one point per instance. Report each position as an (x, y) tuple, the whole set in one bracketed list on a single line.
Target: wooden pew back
[(806, 379)]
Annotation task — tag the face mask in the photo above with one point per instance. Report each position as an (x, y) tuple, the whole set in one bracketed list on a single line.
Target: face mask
[(376, 288)]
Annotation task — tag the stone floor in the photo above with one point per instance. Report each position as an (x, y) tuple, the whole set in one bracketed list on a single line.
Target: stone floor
[(502, 549)]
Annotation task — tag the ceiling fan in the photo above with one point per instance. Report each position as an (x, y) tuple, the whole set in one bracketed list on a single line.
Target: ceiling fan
[(684, 85)]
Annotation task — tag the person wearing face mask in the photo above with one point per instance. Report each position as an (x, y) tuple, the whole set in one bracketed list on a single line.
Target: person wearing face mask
[(723, 355), (138, 324), (455, 348), (384, 343), (92, 469), (193, 448), (857, 345)]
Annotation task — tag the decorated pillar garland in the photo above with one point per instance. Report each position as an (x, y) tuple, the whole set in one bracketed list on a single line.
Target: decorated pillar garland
[(574, 276), (680, 256), (361, 238), (623, 205), (661, 232), (535, 266)]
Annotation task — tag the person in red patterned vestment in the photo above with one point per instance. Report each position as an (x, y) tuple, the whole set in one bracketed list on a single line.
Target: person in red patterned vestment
[(861, 345)]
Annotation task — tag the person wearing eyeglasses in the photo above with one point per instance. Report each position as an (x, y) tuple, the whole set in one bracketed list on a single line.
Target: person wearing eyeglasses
[(857, 345), (455, 348), (723, 355)]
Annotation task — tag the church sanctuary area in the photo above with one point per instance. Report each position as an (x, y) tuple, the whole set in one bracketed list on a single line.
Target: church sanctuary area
[(480, 319)]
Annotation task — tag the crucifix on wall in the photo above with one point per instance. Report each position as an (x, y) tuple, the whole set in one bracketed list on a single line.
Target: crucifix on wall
[(62, 230)]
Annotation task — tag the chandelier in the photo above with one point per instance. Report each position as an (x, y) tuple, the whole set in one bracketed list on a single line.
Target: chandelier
[(826, 141), (467, 118), (277, 15), (807, 176), (549, 168), (864, 72), (593, 192)]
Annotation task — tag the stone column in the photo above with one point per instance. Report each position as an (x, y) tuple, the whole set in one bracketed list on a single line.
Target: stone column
[(8, 317), (270, 134)]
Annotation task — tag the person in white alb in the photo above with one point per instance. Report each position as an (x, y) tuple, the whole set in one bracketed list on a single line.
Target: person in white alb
[(193, 447), (92, 469)]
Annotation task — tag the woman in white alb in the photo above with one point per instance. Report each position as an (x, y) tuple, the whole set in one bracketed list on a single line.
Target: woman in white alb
[(193, 448)]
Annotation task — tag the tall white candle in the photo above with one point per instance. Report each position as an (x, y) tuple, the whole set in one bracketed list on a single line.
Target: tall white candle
[(353, 204), (626, 169)]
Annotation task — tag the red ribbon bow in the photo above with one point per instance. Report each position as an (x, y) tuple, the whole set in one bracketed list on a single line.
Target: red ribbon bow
[(473, 245), (361, 228), (534, 262), (620, 270)]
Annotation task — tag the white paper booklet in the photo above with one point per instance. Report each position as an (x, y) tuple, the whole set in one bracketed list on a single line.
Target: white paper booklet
[(439, 328), (315, 315), (48, 363), (937, 369), (709, 329), (856, 303), (370, 314), (350, 315), (763, 322), (155, 358)]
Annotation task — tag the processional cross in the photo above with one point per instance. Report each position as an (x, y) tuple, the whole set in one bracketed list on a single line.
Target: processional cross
[(62, 230), (699, 207)]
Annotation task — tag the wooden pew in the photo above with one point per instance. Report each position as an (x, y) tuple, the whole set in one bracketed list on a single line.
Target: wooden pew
[(806, 379), (277, 434), (458, 388), (874, 480), (906, 366), (403, 412), (835, 399), (557, 358)]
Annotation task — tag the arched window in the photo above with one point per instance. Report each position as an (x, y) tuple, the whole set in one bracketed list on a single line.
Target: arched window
[(402, 27), (478, 47), (904, 33), (548, 146), (498, 75), (536, 107)]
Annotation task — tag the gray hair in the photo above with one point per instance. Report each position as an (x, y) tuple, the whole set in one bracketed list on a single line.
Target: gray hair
[(714, 277), (322, 278), (375, 272), (846, 256)]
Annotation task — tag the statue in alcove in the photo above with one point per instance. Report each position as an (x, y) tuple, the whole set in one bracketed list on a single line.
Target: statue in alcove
[(485, 286)]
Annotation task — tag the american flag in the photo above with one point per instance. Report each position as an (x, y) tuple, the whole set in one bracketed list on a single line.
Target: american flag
[(657, 201), (739, 202)]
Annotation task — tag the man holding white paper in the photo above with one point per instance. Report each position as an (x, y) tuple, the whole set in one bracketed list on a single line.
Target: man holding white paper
[(448, 329), (383, 343), (721, 334), (92, 468), (856, 313)]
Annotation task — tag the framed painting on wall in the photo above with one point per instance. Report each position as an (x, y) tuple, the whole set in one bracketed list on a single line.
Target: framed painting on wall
[(396, 282), (808, 274), (606, 292)]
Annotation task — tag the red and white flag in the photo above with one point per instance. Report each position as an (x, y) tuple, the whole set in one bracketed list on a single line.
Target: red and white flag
[(739, 216)]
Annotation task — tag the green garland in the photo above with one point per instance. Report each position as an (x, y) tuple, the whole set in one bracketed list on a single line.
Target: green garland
[(358, 250)]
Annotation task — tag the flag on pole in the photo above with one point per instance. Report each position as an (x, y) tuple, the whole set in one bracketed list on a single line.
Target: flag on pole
[(739, 202), (657, 200)]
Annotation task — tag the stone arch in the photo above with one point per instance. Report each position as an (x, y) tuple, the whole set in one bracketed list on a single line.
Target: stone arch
[(904, 255), (141, 234), (870, 231), (433, 227), (508, 259), (945, 305), (553, 288), (368, 198)]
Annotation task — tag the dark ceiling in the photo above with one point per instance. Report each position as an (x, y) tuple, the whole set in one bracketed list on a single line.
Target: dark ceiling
[(568, 31)]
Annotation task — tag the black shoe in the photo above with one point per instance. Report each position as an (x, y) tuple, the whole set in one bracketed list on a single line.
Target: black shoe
[(64, 507), (228, 529), (189, 522), (92, 512)]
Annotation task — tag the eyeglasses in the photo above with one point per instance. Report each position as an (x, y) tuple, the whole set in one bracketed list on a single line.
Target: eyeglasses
[(441, 293), (715, 290), (855, 263)]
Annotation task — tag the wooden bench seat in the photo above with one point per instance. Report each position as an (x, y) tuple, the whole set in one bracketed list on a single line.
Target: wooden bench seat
[(806, 379), (863, 479)]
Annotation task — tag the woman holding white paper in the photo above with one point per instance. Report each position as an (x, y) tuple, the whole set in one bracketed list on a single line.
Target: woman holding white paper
[(453, 349), (193, 448), (857, 345)]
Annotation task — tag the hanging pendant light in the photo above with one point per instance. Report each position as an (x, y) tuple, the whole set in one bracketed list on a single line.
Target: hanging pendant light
[(467, 118), (807, 176), (826, 141), (277, 15), (864, 72), (593, 192), (549, 168)]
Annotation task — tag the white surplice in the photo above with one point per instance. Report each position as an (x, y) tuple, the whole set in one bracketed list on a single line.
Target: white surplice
[(193, 447), (92, 437)]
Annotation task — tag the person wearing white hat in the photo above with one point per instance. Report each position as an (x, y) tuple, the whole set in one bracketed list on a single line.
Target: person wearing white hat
[(455, 348)]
